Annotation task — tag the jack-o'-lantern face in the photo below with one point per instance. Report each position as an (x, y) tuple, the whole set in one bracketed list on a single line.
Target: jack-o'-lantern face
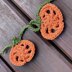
[(22, 53), (52, 21)]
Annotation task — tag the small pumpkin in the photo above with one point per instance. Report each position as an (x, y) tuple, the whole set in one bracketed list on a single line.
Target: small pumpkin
[(22, 53)]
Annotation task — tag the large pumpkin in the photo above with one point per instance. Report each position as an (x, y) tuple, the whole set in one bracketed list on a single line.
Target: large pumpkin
[(52, 21)]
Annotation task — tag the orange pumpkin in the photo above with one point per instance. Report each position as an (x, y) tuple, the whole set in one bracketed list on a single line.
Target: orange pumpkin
[(52, 21), (22, 53)]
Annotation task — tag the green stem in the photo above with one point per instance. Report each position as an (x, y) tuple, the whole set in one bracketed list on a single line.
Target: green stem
[(5, 49), (23, 30)]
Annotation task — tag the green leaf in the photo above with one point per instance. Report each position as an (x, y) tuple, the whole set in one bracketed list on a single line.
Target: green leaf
[(5, 50), (41, 5), (48, 1), (15, 40), (38, 9), (38, 20)]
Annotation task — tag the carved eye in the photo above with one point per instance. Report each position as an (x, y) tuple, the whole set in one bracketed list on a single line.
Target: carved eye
[(54, 12), (22, 44), (47, 30), (52, 30), (27, 57), (17, 58), (48, 11), (21, 60), (57, 26), (14, 53), (43, 16), (29, 51), (27, 47)]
